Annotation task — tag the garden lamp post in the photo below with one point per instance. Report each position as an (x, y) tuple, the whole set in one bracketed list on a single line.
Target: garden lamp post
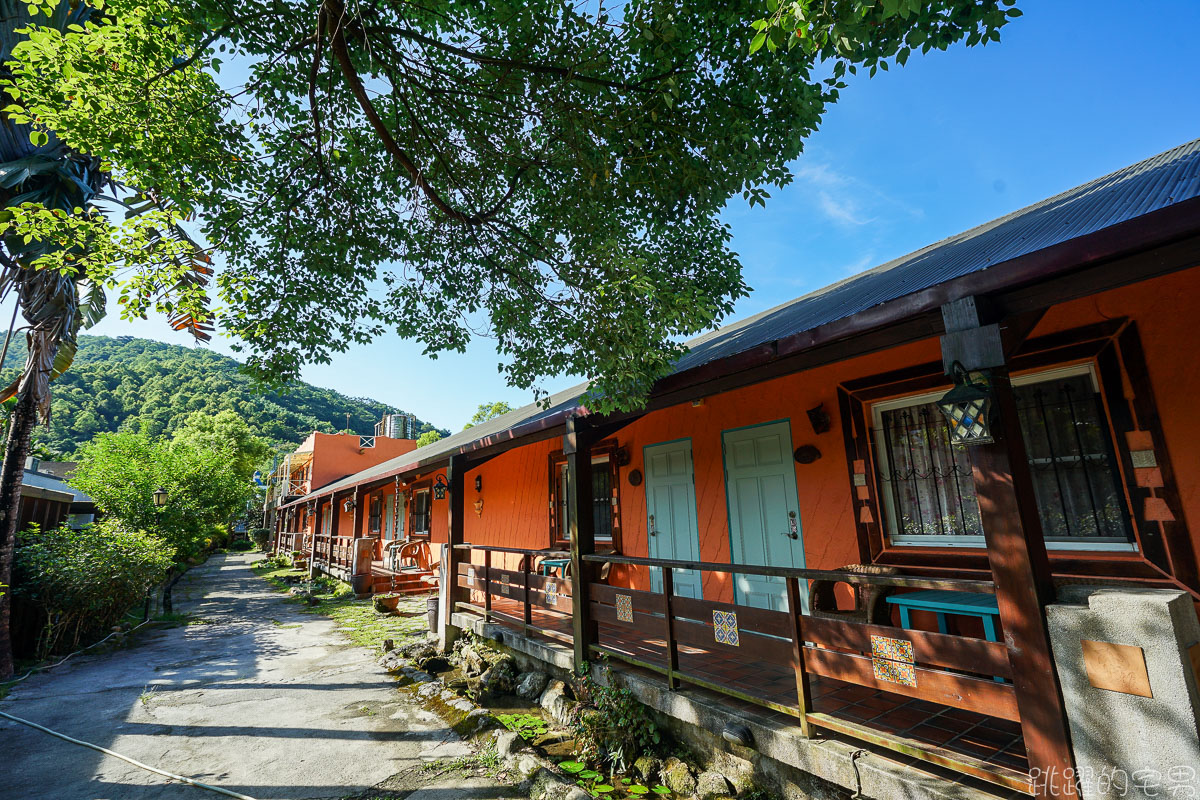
[(160, 498)]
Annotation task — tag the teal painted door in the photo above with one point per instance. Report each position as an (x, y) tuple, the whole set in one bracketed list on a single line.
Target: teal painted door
[(327, 520), (671, 514), (764, 512), (389, 516)]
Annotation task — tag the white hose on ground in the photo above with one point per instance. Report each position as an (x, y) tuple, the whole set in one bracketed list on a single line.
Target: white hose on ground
[(135, 762), (43, 668)]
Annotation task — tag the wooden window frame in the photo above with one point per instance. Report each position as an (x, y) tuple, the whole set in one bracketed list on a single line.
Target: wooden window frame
[(375, 513), (420, 486), (1113, 349), (1025, 377), (605, 449)]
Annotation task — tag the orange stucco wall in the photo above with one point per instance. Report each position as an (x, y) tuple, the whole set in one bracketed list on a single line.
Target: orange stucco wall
[(336, 455), (516, 484)]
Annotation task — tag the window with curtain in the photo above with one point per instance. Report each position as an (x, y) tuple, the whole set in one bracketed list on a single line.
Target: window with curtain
[(928, 494)]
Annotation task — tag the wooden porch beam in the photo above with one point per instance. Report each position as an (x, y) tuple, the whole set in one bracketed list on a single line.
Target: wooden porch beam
[(1016, 546), (456, 468), (1020, 566), (577, 447)]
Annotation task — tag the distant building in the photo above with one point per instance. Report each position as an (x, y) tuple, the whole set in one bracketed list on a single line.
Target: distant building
[(323, 458), (47, 500)]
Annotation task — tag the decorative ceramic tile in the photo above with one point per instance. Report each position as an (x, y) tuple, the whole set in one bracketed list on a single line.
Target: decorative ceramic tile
[(892, 660), (725, 628), (551, 593), (895, 672), (625, 607), (470, 573)]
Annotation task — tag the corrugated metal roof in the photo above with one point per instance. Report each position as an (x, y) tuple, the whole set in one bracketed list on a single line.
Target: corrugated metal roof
[(439, 450), (49, 483), (1126, 194)]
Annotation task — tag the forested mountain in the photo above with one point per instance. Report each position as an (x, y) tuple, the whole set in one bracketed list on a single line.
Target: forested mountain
[(131, 383)]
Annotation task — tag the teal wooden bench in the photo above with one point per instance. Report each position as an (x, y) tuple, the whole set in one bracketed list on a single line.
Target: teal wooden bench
[(966, 604)]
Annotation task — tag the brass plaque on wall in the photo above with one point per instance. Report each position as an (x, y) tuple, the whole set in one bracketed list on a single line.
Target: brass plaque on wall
[(1116, 667)]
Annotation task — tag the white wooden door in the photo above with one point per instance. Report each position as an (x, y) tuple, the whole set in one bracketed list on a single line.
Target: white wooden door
[(671, 514), (764, 512)]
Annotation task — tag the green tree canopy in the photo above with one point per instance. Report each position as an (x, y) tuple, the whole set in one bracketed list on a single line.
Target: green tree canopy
[(224, 431), (548, 172), (137, 384), (488, 411), (428, 437), (207, 481)]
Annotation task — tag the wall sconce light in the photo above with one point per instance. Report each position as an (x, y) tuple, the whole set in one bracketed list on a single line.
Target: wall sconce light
[(479, 483), (968, 407), (348, 506), (621, 457), (819, 419), (439, 488)]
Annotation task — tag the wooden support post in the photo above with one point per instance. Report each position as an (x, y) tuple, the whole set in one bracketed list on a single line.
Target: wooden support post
[(577, 447), (528, 610), (803, 696), (455, 505), (1021, 571), (487, 585), (668, 587)]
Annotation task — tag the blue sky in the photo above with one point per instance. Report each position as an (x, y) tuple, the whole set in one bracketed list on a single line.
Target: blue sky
[(1076, 89)]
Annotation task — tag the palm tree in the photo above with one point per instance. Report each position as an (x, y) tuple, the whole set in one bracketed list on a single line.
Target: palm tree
[(55, 306)]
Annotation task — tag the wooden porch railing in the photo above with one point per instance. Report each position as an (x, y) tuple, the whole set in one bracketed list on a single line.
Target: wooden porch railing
[(333, 551), (954, 671), (537, 603), (289, 542), (767, 657)]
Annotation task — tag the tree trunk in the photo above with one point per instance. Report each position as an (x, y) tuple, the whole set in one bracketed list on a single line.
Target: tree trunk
[(172, 579), (12, 474)]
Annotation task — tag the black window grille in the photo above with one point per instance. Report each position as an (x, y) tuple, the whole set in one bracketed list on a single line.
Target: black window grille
[(927, 480), (1071, 456), (602, 507)]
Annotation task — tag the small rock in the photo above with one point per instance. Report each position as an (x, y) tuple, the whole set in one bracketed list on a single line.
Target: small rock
[(472, 663), (416, 675), (477, 721), (646, 767), (677, 776), (434, 663), (711, 785), (428, 690), (526, 765), (530, 685), (388, 645), (462, 704), (554, 701), (508, 744), (577, 793)]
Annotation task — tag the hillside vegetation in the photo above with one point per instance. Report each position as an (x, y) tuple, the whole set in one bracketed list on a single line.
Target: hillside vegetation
[(139, 384)]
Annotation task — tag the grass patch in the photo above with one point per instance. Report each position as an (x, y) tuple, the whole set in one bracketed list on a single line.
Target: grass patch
[(365, 626), (357, 619)]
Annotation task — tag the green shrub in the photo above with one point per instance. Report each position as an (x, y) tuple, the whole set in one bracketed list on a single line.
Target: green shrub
[(261, 538), (241, 545), (618, 728), (82, 582)]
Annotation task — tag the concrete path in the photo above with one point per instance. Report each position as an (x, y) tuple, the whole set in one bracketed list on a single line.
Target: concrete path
[(262, 700)]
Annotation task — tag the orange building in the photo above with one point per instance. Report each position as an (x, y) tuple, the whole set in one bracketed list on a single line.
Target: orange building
[(821, 521)]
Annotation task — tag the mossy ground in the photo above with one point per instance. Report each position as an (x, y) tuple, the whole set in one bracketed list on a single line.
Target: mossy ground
[(357, 619)]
